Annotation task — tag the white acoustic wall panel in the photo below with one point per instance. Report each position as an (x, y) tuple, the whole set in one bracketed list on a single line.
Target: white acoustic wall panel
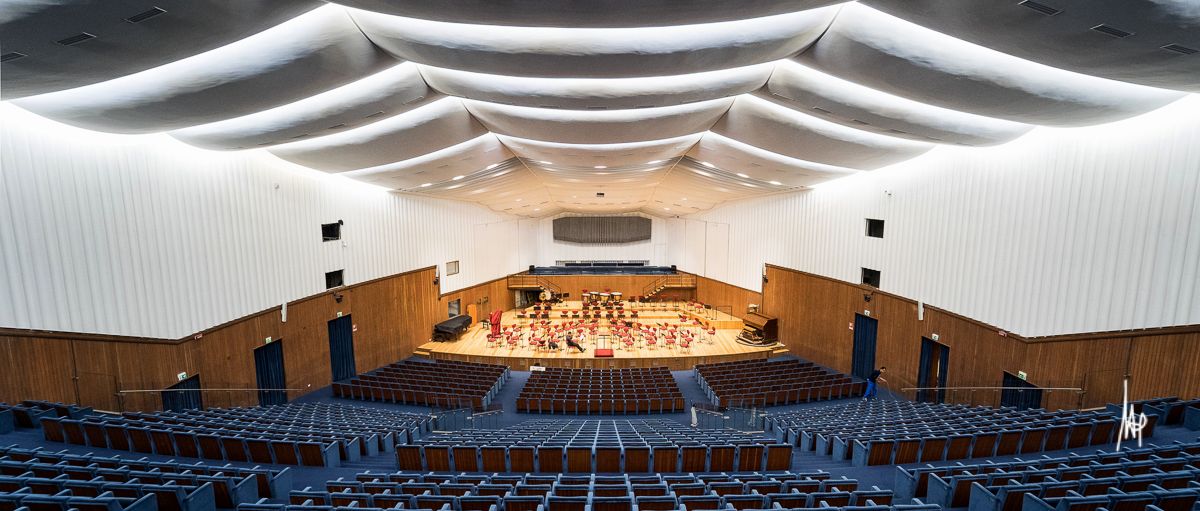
[(694, 234), (716, 251), (1063, 231), (551, 250), (146, 236)]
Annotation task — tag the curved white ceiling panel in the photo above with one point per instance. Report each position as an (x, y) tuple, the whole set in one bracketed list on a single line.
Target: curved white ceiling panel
[(586, 13), (598, 93), (600, 156), (510, 188), (385, 93), (779, 129), (309, 54), (848, 103), (449, 165), (889, 54), (1067, 38), (600, 126), (691, 187), (434, 126), (595, 52), (187, 27), (761, 165)]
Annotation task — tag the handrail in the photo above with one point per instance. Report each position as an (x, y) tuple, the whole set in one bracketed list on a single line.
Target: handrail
[(199, 390), (1077, 389)]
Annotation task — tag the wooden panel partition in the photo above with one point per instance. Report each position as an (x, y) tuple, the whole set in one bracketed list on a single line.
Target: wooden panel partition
[(392, 316), (719, 294), (816, 314)]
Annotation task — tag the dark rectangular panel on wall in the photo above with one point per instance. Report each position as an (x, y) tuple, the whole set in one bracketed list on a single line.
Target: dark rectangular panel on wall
[(269, 373), (602, 229), (184, 395)]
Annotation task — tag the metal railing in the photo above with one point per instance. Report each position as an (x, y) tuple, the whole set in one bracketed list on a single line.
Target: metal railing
[(992, 396), (741, 419), (525, 280), (677, 280), (485, 420), (151, 399)]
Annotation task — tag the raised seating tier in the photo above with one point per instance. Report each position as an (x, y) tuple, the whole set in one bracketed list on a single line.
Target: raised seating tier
[(899, 432), (773, 382), (40, 479), (604, 446), (535, 492), (294, 434), (601, 391), (443, 384), (1127, 470)]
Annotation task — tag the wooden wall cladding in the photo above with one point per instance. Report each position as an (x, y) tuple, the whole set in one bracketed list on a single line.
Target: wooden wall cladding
[(628, 285), (391, 316), (816, 313), (487, 297), (720, 294)]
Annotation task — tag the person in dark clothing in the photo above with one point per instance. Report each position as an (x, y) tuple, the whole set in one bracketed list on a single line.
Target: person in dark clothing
[(574, 344), (873, 383)]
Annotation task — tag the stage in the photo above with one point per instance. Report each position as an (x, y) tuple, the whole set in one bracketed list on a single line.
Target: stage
[(712, 335)]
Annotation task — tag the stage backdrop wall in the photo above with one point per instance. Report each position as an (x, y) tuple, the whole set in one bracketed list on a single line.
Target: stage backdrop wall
[(1061, 231), (550, 250), (146, 236)]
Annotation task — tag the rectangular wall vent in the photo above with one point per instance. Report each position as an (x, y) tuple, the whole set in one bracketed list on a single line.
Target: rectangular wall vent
[(145, 15), (1040, 7), (76, 39), (1111, 30), (1180, 49), (12, 56)]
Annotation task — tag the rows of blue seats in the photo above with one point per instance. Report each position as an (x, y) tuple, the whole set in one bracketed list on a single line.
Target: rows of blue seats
[(312, 434), (44, 480)]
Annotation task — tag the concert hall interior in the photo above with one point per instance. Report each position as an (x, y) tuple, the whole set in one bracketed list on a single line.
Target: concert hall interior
[(599, 255)]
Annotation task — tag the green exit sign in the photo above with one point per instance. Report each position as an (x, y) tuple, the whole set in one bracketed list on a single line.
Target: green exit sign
[(1022, 375)]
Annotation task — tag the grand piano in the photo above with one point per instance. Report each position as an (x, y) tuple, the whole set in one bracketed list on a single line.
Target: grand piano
[(450, 329)]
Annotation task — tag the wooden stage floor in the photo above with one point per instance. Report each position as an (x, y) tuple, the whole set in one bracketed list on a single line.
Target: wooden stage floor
[(473, 346)]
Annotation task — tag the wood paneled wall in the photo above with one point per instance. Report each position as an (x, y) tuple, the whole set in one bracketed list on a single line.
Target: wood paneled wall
[(391, 316), (487, 297), (720, 294), (628, 285), (816, 314)]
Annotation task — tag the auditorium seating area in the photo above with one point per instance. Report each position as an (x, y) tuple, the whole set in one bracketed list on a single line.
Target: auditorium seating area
[(319, 435), (441, 384), (1168, 410), (1132, 478), (601, 391), (590, 492), (43, 480), (605, 446), (898, 432), (773, 382), (29, 413)]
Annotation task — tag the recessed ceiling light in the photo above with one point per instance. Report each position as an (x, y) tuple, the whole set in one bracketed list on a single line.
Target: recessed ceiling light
[(666, 209), (545, 162), (519, 200), (600, 167), (655, 162), (537, 209), (492, 166), (456, 178), (423, 185), (742, 175), (776, 183), (707, 164)]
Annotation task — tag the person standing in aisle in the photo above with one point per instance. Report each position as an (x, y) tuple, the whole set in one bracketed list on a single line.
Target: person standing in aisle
[(873, 383)]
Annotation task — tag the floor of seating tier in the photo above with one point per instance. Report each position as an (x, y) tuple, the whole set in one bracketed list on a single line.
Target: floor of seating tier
[(1128, 470), (595, 446), (1169, 411), (601, 391), (442, 383), (1162, 478), (294, 434), (39, 479), (883, 432), (773, 382), (533, 492)]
